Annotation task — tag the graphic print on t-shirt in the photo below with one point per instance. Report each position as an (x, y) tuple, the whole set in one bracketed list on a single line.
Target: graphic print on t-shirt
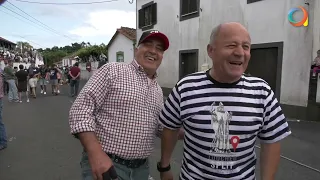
[(223, 147)]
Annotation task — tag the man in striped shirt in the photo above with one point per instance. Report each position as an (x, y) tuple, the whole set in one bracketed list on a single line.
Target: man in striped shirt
[(223, 112)]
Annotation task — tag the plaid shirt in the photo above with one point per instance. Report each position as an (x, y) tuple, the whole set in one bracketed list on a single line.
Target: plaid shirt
[(122, 106)]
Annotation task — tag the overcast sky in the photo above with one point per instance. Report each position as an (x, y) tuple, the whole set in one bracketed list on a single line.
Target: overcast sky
[(94, 23)]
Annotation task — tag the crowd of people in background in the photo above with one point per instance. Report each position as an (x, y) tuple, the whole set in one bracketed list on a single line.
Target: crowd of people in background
[(20, 80), (17, 81)]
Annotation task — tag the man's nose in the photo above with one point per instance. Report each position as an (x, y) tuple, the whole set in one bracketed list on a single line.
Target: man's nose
[(239, 51), (153, 50)]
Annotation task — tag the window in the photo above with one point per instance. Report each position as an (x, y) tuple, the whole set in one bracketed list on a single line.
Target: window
[(252, 1), (148, 16), (189, 9), (120, 56)]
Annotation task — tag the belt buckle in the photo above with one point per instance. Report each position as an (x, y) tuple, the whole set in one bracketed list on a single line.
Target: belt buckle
[(130, 164)]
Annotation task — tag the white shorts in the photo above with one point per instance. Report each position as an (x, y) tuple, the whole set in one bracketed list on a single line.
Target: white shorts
[(33, 82)]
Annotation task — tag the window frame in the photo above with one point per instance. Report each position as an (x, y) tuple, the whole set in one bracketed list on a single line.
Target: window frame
[(119, 53), (153, 15), (189, 15), (252, 1)]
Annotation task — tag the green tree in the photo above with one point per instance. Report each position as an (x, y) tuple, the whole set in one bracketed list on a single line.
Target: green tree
[(23, 47), (82, 50)]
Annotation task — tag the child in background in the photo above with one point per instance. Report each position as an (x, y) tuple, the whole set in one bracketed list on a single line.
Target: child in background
[(316, 64)]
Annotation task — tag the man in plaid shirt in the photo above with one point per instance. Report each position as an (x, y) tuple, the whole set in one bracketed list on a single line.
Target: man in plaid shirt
[(115, 116)]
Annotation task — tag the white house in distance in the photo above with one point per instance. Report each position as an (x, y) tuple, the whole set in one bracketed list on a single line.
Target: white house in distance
[(121, 45), (68, 61), (281, 53)]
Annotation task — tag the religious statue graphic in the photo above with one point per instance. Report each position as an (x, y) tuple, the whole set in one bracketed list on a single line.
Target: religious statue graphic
[(220, 120)]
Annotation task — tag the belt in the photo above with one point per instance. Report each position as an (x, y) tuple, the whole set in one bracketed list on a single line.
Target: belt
[(134, 163)]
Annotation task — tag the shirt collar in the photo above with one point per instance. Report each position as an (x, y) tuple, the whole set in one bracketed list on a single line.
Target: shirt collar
[(139, 68)]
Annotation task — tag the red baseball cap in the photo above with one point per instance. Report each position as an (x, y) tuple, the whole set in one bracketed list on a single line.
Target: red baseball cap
[(154, 33)]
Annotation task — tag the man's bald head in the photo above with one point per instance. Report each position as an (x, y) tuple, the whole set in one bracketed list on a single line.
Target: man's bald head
[(229, 50), (225, 26)]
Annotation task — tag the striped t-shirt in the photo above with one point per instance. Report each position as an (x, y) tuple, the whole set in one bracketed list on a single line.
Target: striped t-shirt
[(222, 122)]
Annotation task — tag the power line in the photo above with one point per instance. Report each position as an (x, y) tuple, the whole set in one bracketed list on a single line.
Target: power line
[(53, 30), (45, 28), (14, 16), (75, 3), (19, 18), (31, 42), (23, 17)]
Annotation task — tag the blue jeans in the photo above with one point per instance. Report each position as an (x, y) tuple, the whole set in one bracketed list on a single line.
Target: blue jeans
[(74, 87), (124, 173), (3, 134), (13, 91)]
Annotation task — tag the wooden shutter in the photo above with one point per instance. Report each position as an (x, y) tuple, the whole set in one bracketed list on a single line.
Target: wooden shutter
[(154, 13), (141, 18)]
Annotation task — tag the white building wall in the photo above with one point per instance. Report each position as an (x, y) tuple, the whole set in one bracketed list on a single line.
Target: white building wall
[(85, 74), (121, 43), (266, 22), (68, 62), (25, 65)]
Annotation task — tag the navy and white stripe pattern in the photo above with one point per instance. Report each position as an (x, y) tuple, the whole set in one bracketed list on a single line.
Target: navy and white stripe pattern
[(223, 150)]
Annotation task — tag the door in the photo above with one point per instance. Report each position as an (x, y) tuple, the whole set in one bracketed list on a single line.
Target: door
[(263, 64), (188, 62)]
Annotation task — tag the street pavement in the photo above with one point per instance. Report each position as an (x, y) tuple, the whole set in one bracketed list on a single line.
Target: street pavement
[(41, 148)]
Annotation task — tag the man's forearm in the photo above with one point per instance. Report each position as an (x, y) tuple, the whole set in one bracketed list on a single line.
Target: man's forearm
[(90, 142), (168, 141), (270, 158)]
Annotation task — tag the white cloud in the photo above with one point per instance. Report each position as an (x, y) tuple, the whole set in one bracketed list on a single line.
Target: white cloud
[(105, 23)]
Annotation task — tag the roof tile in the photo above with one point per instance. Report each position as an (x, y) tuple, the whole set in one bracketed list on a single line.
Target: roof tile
[(3, 39), (128, 32)]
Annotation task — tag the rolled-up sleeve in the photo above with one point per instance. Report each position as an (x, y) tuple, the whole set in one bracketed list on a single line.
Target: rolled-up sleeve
[(83, 111), (275, 127), (170, 114)]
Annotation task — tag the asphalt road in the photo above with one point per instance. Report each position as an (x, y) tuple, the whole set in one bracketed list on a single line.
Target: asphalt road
[(41, 148)]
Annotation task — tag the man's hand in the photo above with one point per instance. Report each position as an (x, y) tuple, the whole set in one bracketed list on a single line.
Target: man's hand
[(98, 159), (100, 163), (166, 175), (181, 134)]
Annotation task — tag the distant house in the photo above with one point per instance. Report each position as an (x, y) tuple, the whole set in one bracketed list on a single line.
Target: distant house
[(6, 44), (68, 60), (121, 45)]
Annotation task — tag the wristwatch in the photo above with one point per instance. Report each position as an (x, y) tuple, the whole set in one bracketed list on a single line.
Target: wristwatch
[(163, 169)]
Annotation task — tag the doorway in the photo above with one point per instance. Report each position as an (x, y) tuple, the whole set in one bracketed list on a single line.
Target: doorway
[(188, 62), (266, 63)]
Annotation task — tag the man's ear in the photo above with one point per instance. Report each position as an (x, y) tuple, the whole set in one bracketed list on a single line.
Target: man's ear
[(135, 50), (209, 50)]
